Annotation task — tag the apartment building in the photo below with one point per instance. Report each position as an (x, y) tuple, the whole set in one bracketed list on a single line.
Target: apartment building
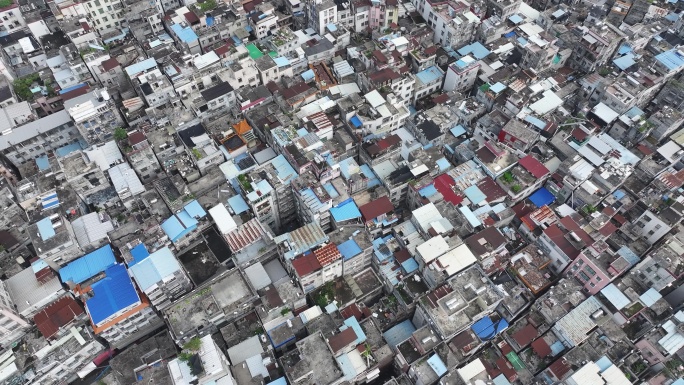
[(106, 15), (158, 275), (95, 115)]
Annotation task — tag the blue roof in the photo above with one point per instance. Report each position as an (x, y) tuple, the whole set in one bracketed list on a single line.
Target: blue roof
[(399, 333), (308, 75), (141, 66), (458, 130), (347, 367), (497, 87), (624, 62), (195, 210), (625, 48), (437, 365), (312, 200), (522, 41), (477, 49), (650, 297), (354, 324), (629, 255), (153, 269), (238, 204), (468, 214), (486, 329), (671, 59), (349, 249), (210, 20), (428, 191), (279, 381), (474, 194), (410, 265), (516, 19), (510, 34), (542, 197), (43, 163), (68, 149), (186, 35), (69, 89), (285, 171), (332, 27), (443, 164), (679, 381), (281, 61), (111, 294), (556, 348), (45, 229), (615, 296), (540, 124), (604, 363), (331, 190), (372, 178), (618, 194), (139, 253), (345, 211), (429, 75), (88, 266), (355, 121), (500, 380), (174, 229)]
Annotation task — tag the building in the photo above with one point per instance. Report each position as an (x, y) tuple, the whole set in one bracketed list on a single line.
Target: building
[(209, 366), (462, 74), (318, 267), (158, 275), (117, 312), (34, 288), (107, 15), (12, 325), (53, 237), (95, 116)]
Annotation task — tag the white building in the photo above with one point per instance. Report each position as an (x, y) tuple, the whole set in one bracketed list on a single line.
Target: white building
[(160, 277), (321, 13), (12, 326), (461, 75), (106, 15), (214, 365)]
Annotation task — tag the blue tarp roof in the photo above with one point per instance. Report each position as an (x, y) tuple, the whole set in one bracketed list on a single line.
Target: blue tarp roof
[(111, 294), (510, 34), (399, 333), (458, 130), (624, 48), (88, 266), (139, 253), (437, 365), (345, 211), (618, 194), (556, 348), (186, 35), (238, 204), (349, 249), (624, 62), (355, 121), (330, 189), (45, 229), (43, 163), (542, 197), (486, 329), (522, 41), (501, 380), (474, 194)]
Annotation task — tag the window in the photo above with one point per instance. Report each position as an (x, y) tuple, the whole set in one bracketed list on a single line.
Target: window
[(590, 270), (592, 284), (583, 276)]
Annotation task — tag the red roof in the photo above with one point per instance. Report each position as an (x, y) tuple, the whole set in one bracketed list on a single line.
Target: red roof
[(571, 225), (75, 93), (579, 134), (559, 368), (56, 315), (607, 229), (507, 369), (376, 208), (342, 339), (306, 264), (191, 18), (444, 184), (541, 348), (110, 64), (222, 50), (491, 189), (441, 98), (327, 254), (402, 255), (379, 56), (644, 150), (136, 138), (525, 335), (533, 166), (352, 311)]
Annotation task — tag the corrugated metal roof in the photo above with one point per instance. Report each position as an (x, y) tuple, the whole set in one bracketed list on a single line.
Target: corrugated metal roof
[(345, 211), (90, 229), (139, 253), (437, 365), (257, 276), (650, 297), (195, 210), (349, 249), (399, 333), (474, 194), (123, 177), (575, 325), (238, 204), (111, 294), (27, 291), (45, 229), (155, 268), (88, 266), (245, 349), (224, 221), (615, 296)]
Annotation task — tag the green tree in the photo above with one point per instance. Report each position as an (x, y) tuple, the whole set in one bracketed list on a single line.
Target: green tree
[(120, 133), (22, 86), (194, 344)]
